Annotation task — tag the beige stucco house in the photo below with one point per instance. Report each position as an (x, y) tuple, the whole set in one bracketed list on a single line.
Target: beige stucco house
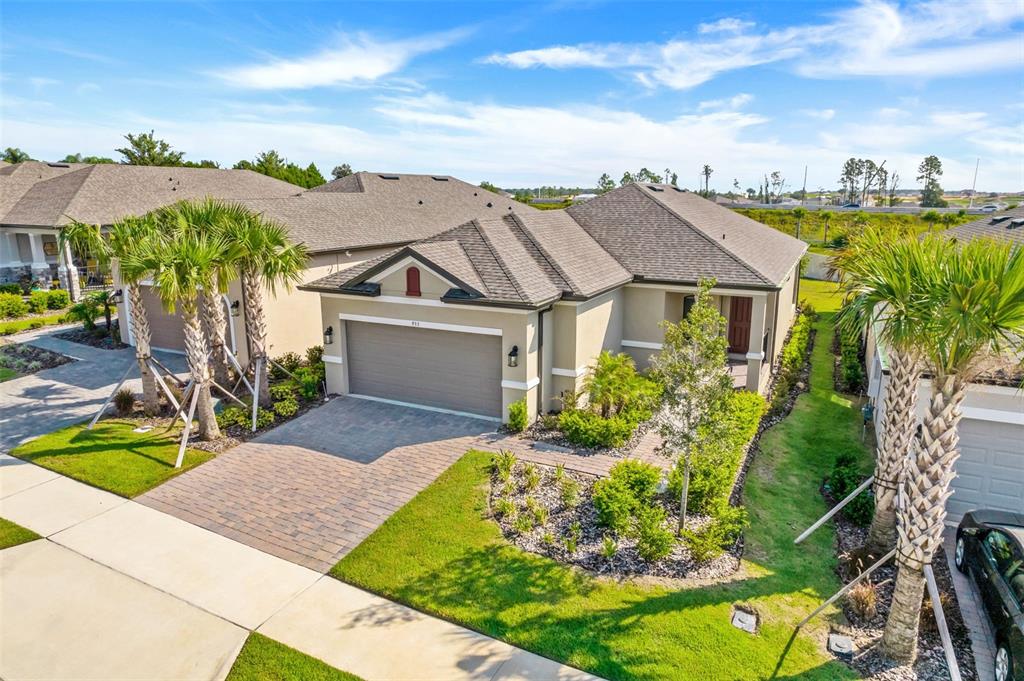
[(519, 305)]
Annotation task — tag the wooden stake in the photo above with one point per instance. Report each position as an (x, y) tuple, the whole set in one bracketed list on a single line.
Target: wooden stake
[(940, 621), (219, 387), (110, 397), (187, 429), (835, 509), (838, 594), (255, 393)]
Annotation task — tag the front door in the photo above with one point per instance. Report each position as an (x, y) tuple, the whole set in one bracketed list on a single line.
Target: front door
[(739, 324)]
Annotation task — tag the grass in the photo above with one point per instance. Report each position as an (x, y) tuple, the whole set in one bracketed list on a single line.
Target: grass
[(812, 228), (12, 534), (7, 374), (440, 554), (9, 328), (263, 659), (822, 295), (111, 456)]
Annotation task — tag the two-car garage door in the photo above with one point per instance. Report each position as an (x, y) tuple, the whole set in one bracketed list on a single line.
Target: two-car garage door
[(990, 470), (443, 369)]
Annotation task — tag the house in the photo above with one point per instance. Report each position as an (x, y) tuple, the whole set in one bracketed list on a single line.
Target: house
[(518, 305), (990, 471)]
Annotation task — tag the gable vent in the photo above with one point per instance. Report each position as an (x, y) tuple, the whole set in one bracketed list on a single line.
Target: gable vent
[(389, 177)]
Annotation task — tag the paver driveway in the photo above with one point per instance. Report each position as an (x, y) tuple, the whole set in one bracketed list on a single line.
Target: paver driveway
[(314, 488)]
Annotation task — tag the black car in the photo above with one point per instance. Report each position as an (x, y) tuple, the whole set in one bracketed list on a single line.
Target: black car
[(990, 547)]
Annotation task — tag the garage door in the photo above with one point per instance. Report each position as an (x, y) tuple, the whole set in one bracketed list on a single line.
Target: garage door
[(990, 470), (166, 330), (445, 369)]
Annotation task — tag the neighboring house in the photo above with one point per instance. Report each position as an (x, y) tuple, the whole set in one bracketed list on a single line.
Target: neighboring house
[(519, 305), (990, 471)]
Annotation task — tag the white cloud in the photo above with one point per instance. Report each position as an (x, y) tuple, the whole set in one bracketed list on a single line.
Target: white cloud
[(875, 38), (357, 58), (819, 114), (732, 103), (86, 88)]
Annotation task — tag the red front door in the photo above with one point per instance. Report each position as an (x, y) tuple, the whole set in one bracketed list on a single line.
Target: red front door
[(739, 324)]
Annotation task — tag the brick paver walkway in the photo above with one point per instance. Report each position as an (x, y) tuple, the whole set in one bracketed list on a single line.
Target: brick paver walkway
[(978, 625), (313, 489)]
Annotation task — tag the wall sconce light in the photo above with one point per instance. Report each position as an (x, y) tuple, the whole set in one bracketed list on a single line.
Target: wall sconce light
[(236, 308), (513, 356), (117, 297), (328, 335)]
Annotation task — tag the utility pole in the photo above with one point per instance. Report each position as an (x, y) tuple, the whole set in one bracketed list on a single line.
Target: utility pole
[(974, 185), (803, 197)]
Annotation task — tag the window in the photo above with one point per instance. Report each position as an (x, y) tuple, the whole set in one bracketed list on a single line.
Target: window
[(1008, 561), (688, 302), (412, 282)]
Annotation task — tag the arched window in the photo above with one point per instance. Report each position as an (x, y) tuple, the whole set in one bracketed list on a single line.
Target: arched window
[(412, 281)]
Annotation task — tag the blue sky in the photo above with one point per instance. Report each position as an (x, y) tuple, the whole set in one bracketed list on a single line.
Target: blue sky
[(527, 94)]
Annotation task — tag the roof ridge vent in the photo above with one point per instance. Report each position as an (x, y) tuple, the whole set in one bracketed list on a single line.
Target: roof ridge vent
[(59, 165), (389, 177)]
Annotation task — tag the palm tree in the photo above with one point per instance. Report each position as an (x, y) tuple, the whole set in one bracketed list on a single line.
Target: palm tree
[(931, 217), (706, 172), (799, 213), (878, 280), (265, 259), (122, 237), (183, 262), (975, 297), (826, 218)]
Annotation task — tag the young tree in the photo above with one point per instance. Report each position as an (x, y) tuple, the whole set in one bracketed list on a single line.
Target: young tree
[(145, 150), (931, 217), (849, 180), (799, 213), (929, 172), (344, 170), (974, 306), (627, 178), (693, 367), (894, 183), (15, 155), (778, 184), (490, 187), (826, 217), (605, 184)]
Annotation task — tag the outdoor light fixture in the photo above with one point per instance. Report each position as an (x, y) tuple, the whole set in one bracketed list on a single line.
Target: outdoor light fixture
[(328, 335), (236, 308), (513, 356), (118, 297)]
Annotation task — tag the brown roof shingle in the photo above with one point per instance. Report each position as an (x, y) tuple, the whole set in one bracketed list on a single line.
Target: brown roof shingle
[(999, 225)]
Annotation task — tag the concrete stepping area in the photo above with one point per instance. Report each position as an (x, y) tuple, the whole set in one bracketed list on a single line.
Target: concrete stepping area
[(118, 590)]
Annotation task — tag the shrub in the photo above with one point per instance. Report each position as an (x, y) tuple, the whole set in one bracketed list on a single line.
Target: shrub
[(588, 429), (124, 401), (503, 463), (792, 360), (36, 324), (641, 478), (57, 299), (231, 416), (289, 360), (264, 418), (10, 288), (517, 416), (283, 391), (613, 385), (609, 547), (286, 408), (531, 477), (569, 493), (709, 541), (572, 537), (504, 508), (523, 523), (37, 301), (307, 383), (850, 365), (845, 478), (615, 504), (12, 306), (86, 311), (315, 355), (863, 599), (8, 330), (559, 472), (539, 512), (653, 540)]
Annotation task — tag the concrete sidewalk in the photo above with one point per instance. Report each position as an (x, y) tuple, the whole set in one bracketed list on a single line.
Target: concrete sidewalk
[(120, 590)]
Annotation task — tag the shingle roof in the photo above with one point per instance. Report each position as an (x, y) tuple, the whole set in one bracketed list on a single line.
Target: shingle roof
[(369, 210), (998, 225), (104, 193), (18, 178), (662, 233)]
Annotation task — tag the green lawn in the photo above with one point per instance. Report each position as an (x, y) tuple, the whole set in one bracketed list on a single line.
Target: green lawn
[(439, 554), (263, 659), (111, 456), (12, 534), (821, 294), (8, 328), (7, 374)]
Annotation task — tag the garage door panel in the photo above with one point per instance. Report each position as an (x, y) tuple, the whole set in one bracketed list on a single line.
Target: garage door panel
[(166, 330), (444, 369), (990, 471)]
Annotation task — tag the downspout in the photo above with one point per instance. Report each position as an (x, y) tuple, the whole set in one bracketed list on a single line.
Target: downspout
[(540, 358)]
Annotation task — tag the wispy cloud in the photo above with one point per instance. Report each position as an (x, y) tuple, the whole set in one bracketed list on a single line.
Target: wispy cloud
[(732, 103), (356, 58), (819, 114), (875, 38)]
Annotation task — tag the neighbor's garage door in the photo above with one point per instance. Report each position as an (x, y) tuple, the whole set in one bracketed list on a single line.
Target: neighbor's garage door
[(459, 371), (166, 330), (990, 470)]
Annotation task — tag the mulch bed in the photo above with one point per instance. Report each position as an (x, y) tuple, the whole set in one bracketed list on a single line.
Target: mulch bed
[(97, 338), (866, 633), (28, 359), (549, 539), (548, 433)]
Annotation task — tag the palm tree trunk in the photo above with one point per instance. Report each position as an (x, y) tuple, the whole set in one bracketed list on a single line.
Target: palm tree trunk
[(195, 349), (213, 313), (256, 329), (922, 518), (141, 334), (898, 424)]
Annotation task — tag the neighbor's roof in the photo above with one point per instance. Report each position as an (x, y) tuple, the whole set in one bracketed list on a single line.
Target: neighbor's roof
[(528, 259), (663, 233), (18, 178), (364, 210), (1006, 224), (104, 193)]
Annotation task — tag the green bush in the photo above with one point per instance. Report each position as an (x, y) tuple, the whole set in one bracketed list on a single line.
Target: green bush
[(314, 355), (264, 418), (588, 429), (641, 478), (283, 391), (517, 416), (124, 401), (36, 324), (794, 354), (10, 288), (716, 536), (286, 408), (653, 540), (307, 383), (232, 416), (12, 306), (57, 299), (503, 463), (850, 366), (845, 478), (37, 301), (86, 311), (291, 361), (569, 493), (615, 504)]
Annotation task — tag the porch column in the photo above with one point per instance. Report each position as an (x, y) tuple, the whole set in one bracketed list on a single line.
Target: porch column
[(68, 273), (40, 268), (9, 256), (755, 349)]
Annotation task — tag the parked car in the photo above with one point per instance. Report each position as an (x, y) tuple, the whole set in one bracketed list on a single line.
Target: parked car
[(989, 208), (990, 548), (850, 205)]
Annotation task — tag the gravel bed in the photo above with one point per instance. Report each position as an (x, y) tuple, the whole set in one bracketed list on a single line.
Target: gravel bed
[(97, 338), (549, 539), (866, 633), (28, 359)]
